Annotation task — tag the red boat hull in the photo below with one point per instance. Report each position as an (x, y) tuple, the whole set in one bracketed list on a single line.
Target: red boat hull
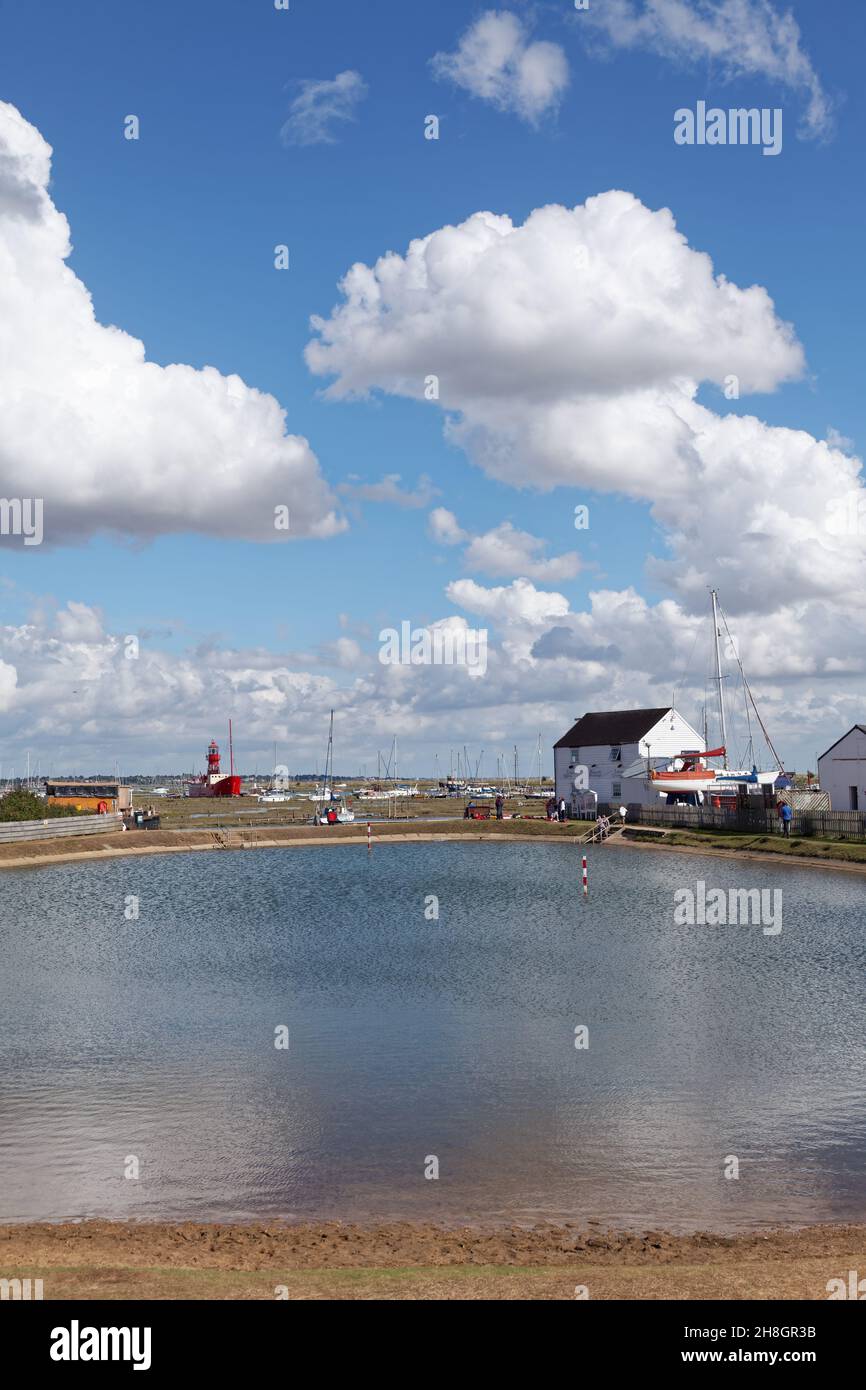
[(226, 786)]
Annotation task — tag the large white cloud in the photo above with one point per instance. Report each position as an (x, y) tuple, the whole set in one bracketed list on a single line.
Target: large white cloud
[(106, 438), (567, 350), (577, 304), (570, 351)]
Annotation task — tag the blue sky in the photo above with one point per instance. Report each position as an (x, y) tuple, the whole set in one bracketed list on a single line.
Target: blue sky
[(174, 237)]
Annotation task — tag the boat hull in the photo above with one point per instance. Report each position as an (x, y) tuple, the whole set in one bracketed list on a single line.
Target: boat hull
[(677, 782), (223, 786)]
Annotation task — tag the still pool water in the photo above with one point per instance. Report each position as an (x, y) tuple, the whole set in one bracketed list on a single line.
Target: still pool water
[(409, 1038)]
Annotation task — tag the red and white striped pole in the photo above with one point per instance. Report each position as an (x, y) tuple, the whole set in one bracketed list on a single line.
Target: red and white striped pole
[(585, 879), (369, 838)]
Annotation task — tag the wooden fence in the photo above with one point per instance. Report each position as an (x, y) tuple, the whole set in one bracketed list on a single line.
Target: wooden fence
[(59, 827), (823, 825)]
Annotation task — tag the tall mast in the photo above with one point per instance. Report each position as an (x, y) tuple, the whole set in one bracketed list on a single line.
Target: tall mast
[(328, 782), (716, 635)]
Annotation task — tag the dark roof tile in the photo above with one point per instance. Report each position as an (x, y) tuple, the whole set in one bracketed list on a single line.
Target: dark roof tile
[(611, 727)]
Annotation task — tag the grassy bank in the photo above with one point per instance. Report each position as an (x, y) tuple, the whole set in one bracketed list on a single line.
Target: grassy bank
[(844, 851), (31, 854), (399, 1261)]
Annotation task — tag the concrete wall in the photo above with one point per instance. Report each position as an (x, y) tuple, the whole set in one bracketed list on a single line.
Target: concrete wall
[(58, 828)]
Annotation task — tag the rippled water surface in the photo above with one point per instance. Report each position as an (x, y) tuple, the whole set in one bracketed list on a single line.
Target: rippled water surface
[(410, 1038)]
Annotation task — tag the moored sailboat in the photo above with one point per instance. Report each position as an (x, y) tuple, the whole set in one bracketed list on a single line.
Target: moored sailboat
[(335, 808), (689, 772)]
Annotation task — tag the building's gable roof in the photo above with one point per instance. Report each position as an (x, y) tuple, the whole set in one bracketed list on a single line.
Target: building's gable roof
[(614, 726), (853, 729)]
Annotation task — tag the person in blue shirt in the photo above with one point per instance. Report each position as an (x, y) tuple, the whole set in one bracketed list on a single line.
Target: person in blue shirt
[(786, 815)]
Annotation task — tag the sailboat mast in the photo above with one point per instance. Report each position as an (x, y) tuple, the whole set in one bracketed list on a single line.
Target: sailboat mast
[(716, 635)]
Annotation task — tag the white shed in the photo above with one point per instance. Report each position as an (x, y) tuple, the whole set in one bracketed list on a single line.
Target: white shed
[(608, 742), (842, 771)]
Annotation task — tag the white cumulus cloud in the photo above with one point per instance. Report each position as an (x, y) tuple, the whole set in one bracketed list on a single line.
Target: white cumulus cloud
[(109, 440), (445, 528), (582, 303), (570, 351), (518, 602), (504, 550), (497, 61)]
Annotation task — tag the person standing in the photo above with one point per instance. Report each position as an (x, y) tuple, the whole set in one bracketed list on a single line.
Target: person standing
[(499, 805), (562, 809), (786, 815)]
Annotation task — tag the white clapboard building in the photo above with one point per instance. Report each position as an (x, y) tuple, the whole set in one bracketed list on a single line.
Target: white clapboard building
[(608, 742), (842, 771)]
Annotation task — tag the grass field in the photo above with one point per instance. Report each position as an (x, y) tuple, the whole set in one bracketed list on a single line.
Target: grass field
[(845, 851), (193, 812)]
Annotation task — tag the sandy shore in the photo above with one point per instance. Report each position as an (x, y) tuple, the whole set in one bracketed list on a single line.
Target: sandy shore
[(401, 1260), (96, 848)]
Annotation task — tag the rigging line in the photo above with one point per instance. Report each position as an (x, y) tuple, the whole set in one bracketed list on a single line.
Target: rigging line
[(750, 744), (387, 774), (748, 690)]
